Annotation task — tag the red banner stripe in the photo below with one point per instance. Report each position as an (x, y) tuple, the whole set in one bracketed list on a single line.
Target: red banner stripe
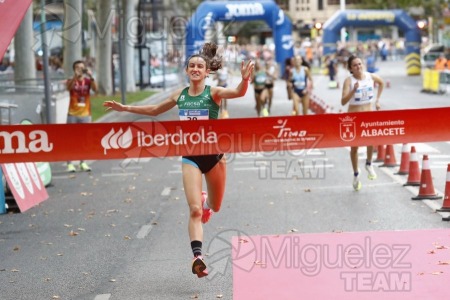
[(62, 142)]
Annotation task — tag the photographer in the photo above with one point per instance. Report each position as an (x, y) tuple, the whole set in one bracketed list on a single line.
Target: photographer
[(80, 86)]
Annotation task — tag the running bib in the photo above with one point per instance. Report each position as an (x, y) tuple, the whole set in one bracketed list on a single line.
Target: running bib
[(300, 84), (260, 79), (364, 94), (193, 114)]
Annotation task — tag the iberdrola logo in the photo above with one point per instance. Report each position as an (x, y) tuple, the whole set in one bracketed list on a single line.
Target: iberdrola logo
[(117, 140), (123, 139)]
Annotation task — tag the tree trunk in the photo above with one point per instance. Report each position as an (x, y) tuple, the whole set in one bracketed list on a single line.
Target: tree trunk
[(105, 16), (25, 64), (129, 30), (72, 31)]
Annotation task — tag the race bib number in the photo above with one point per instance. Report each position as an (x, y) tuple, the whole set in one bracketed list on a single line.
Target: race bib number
[(194, 114), (300, 84), (260, 79), (364, 94)]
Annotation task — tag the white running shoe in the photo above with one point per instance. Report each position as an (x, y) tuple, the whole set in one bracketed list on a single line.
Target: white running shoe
[(372, 175), (356, 183)]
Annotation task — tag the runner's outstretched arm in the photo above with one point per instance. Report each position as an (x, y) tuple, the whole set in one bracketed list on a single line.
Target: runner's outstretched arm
[(149, 110)]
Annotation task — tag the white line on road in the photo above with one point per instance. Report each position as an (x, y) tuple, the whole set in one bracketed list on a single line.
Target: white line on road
[(61, 177), (166, 191), (102, 297), (433, 204), (144, 231), (424, 148), (268, 166), (345, 187), (126, 168), (118, 174)]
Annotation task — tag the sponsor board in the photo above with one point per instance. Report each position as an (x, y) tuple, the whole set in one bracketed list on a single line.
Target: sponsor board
[(25, 184)]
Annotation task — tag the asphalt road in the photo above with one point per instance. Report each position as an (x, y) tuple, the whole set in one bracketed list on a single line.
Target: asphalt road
[(120, 232)]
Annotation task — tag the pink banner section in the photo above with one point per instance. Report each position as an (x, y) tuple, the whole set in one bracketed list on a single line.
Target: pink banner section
[(61, 142), (391, 265), (11, 14), (25, 184)]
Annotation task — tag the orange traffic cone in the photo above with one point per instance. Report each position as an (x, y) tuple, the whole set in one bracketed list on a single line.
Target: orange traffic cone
[(446, 204), (426, 190), (414, 169), (404, 162), (381, 153), (389, 159)]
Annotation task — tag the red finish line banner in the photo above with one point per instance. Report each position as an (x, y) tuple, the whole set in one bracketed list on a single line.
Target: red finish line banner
[(63, 142)]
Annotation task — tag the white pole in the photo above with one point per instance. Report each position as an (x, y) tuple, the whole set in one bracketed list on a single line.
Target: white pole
[(342, 6)]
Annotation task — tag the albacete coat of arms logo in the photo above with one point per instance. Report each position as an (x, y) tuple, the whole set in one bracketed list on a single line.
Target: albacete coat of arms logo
[(347, 129)]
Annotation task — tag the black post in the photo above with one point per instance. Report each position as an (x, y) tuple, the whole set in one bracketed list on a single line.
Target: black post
[(141, 40), (47, 94)]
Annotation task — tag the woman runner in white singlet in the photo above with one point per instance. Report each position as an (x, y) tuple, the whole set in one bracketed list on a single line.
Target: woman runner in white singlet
[(359, 93)]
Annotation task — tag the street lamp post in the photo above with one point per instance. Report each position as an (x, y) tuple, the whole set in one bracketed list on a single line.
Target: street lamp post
[(47, 92), (342, 6)]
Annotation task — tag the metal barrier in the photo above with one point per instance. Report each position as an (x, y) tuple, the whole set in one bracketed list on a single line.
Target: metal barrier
[(6, 107), (444, 82), (28, 95)]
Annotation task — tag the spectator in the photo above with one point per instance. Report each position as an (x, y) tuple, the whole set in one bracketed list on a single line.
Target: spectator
[(155, 62), (440, 64), (80, 86)]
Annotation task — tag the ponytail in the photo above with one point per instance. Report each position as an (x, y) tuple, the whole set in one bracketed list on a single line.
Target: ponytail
[(209, 54)]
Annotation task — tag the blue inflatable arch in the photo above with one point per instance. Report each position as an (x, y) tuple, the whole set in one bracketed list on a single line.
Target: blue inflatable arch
[(372, 18), (209, 12)]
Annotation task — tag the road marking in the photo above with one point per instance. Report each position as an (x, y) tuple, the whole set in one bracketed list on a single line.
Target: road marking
[(61, 177), (433, 204), (437, 165), (139, 160), (144, 231), (425, 148), (268, 166), (348, 187), (102, 297), (166, 191), (118, 174), (126, 168), (439, 156)]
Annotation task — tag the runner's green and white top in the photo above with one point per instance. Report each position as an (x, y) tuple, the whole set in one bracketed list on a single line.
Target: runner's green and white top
[(201, 107), (364, 93)]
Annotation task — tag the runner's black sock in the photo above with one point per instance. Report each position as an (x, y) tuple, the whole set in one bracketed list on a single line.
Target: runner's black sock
[(196, 248)]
